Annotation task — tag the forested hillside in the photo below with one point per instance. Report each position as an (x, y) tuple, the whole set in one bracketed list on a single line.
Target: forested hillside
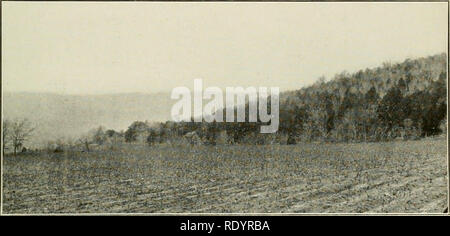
[(406, 100), (403, 99)]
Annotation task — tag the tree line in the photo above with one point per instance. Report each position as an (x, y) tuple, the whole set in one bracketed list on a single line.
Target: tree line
[(15, 133), (406, 100)]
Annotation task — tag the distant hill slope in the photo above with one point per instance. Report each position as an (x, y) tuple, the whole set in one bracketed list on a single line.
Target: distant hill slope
[(57, 116)]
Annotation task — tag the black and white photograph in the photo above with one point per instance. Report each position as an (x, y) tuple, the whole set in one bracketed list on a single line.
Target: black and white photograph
[(219, 108)]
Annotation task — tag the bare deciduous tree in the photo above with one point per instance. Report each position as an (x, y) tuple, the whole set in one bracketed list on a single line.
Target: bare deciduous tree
[(18, 132), (99, 135), (85, 140)]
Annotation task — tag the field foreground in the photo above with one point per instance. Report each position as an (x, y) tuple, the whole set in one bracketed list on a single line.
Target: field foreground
[(393, 177)]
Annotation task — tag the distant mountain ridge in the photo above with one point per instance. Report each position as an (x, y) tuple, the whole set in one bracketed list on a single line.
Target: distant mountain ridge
[(61, 116)]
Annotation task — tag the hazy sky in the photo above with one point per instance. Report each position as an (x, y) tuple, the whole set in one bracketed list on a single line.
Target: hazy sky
[(90, 48)]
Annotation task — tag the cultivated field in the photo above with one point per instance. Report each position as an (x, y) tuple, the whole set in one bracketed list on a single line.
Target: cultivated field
[(371, 177)]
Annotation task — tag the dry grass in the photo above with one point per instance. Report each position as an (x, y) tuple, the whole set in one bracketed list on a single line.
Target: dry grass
[(375, 177)]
